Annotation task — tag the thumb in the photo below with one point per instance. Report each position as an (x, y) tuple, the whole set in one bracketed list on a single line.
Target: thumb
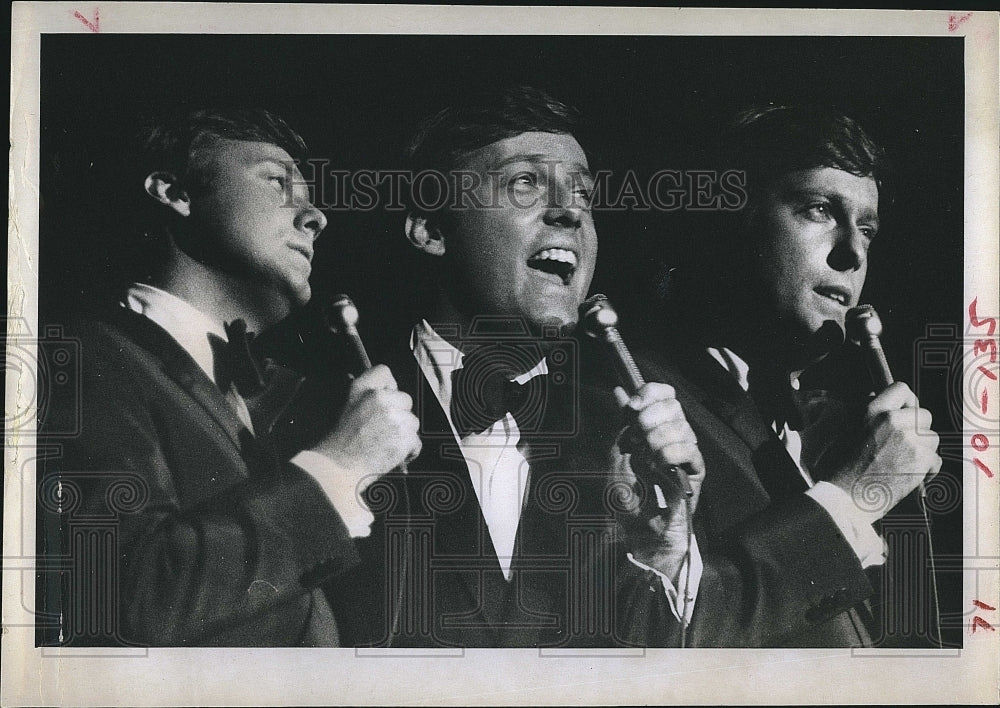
[(621, 397)]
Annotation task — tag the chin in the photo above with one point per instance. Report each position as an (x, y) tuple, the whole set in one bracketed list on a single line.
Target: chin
[(564, 323)]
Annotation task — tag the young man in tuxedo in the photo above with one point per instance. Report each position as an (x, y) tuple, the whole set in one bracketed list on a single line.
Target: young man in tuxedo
[(502, 532), (795, 480), (182, 524)]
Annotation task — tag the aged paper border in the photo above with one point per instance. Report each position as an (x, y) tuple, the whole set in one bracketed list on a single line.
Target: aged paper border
[(314, 677)]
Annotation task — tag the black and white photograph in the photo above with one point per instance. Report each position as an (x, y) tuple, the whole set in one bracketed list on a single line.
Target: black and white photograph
[(380, 355)]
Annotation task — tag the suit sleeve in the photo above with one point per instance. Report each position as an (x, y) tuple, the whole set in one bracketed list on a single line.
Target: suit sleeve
[(775, 572), (786, 576), (211, 545)]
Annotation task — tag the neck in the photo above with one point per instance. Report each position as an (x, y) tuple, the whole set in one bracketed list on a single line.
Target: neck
[(456, 327), (770, 350), (220, 296)]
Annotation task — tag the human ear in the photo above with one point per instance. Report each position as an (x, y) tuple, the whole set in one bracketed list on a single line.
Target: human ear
[(424, 235), (165, 188)]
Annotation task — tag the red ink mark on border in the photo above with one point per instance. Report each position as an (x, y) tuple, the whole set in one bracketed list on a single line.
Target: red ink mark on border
[(987, 373), (94, 26), (978, 621), (982, 466), (984, 401), (982, 605), (954, 21), (989, 322)]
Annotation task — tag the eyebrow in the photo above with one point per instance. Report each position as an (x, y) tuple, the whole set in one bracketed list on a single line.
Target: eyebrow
[(542, 158), (806, 194)]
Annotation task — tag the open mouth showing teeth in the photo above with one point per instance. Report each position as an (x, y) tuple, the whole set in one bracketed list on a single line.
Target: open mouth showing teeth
[(555, 261), (838, 296)]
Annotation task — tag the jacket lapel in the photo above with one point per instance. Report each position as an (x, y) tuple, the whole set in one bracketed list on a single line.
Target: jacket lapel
[(179, 366), (715, 389), (439, 487)]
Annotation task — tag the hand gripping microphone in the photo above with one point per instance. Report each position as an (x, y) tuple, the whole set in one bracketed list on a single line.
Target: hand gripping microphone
[(342, 319), (600, 321), (864, 329)]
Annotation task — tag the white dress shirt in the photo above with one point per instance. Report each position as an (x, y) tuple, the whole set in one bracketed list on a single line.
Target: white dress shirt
[(190, 328), (852, 521), (499, 472)]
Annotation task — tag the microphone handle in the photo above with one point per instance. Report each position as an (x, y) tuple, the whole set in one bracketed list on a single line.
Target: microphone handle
[(627, 370), (358, 347), (632, 380), (354, 340), (878, 367)]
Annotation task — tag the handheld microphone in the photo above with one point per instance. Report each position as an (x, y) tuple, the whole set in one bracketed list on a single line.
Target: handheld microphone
[(864, 327), (600, 321), (342, 318)]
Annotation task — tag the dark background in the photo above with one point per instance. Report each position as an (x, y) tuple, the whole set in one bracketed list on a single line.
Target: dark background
[(652, 102)]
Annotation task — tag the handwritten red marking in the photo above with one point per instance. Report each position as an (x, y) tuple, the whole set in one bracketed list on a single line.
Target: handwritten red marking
[(981, 345), (978, 621), (989, 322), (954, 21), (982, 466), (987, 373), (982, 605), (984, 401), (94, 26)]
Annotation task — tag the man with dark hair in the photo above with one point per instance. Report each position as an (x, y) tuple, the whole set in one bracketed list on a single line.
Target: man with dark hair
[(210, 538), (795, 480), (501, 534)]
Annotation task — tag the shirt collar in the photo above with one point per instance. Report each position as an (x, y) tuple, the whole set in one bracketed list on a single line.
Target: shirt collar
[(438, 358), (738, 368), (185, 323)]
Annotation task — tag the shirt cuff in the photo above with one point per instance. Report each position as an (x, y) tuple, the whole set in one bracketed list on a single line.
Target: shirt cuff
[(682, 597), (339, 489), (853, 523)]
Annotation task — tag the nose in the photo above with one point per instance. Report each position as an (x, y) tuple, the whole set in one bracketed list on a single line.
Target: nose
[(850, 249), (310, 220), (565, 207)]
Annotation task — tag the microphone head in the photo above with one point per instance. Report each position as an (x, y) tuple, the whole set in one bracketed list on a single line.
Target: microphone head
[(863, 324), (341, 315), (597, 315)]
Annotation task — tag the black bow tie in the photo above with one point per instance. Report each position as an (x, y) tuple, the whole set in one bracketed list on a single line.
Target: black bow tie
[(234, 364), (775, 398), (482, 393), (266, 387)]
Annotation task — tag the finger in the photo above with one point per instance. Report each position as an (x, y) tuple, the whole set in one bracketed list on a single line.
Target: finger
[(399, 400), (651, 393), (682, 454), (377, 377), (659, 413), (621, 397), (934, 469), (670, 433), (414, 451), (897, 396)]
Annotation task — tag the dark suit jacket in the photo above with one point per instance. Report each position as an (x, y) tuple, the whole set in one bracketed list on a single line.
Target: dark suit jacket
[(570, 585), (178, 526), (777, 572)]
